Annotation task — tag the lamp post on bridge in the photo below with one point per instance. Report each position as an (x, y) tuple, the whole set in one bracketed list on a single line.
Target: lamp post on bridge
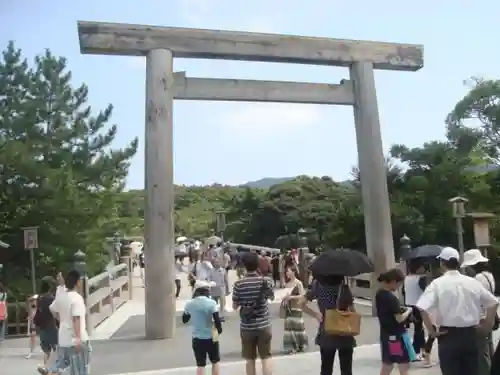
[(303, 266), (481, 222), (220, 219), (458, 206), (80, 266)]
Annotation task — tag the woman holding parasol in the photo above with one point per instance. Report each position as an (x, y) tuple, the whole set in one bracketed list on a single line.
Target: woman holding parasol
[(335, 302)]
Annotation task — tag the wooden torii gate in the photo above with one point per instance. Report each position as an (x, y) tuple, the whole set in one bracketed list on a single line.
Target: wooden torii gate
[(161, 44)]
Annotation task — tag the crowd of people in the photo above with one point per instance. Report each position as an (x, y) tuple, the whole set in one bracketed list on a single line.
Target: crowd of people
[(452, 302)]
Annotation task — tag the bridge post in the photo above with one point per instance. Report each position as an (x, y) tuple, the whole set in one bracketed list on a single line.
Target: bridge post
[(80, 265), (373, 171), (159, 186)]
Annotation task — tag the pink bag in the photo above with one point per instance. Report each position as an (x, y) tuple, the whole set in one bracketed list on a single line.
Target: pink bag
[(396, 348), (3, 310)]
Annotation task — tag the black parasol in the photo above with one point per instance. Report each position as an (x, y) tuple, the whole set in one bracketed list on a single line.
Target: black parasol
[(425, 251), (341, 262)]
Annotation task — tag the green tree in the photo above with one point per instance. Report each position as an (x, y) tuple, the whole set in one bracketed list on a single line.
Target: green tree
[(58, 170)]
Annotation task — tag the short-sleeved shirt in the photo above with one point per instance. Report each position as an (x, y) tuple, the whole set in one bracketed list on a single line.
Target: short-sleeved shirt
[(69, 305), (254, 289), (327, 297), (202, 270), (201, 310), (388, 305)]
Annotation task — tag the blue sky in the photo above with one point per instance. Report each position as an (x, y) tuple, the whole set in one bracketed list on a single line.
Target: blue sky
[(233, 143)]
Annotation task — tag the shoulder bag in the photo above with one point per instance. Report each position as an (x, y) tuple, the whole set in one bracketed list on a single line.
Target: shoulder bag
[(342, 323)]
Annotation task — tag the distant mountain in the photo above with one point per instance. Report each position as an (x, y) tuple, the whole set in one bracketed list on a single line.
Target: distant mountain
[(267, 182)]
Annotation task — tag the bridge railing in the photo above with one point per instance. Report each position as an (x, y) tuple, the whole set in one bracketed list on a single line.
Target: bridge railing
[(103, 293), (107, 291)]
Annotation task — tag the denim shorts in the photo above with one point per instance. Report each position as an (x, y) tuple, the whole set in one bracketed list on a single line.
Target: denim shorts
[(77, 362)]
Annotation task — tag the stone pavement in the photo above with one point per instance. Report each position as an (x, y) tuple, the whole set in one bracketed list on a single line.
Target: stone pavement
[(366, 362)]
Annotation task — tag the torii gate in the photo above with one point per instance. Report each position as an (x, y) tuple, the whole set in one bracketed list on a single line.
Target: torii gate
[(161, 44)]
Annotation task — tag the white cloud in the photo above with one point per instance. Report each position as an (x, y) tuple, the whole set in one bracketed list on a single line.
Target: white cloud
[(272, 118), (194, 11)]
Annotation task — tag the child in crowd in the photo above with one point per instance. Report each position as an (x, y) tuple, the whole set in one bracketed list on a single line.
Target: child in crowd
[(203, 314), (32, 307)]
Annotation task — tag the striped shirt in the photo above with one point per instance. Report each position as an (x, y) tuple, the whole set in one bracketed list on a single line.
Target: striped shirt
[(248, 291)]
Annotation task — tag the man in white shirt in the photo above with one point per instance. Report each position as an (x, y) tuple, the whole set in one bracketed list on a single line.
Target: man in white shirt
[(73, 338), (202, 269), (457, 301)]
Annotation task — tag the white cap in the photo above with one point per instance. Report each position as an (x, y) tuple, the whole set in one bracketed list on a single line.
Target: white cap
[(472, 257), (449, 253), (199, 284)]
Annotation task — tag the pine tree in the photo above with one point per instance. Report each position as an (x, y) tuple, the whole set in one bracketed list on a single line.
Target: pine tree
[(57, 168)]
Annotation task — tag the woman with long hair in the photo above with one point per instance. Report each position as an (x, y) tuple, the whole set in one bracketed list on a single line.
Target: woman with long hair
[(331, 293), (295, 335)]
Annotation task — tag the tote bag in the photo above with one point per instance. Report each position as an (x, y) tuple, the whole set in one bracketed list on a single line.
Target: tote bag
[(340, 322)]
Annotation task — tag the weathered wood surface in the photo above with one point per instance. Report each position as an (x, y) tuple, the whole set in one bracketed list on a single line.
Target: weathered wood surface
[(240, 90), (159, 186), (137, 40), (372, 167)]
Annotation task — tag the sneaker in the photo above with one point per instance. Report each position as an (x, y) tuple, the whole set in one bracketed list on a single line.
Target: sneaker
[(418, 358), (42, 370), (29, 356)]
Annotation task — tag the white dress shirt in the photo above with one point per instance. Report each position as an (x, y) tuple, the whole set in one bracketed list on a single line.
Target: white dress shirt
[(456, 300), (412, 289)]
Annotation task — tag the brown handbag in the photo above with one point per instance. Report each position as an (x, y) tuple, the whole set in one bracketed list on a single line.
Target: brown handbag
[(342, 323), (284, 309)]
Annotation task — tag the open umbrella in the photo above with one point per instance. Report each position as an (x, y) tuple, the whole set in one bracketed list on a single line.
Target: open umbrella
[(341, 262), (425, 251), (214, 240)]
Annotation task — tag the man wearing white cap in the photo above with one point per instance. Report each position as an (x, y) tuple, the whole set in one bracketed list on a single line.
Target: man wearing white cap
[(478, 264), (203, 314), (457, 302)]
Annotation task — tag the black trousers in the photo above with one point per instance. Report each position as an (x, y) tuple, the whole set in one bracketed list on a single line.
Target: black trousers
[(458, 351), (177, 288), (418, 330), (429, 343), (328, 358)]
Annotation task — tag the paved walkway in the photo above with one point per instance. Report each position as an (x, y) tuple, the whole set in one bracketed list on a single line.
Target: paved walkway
[(366, 362), (136, 307)]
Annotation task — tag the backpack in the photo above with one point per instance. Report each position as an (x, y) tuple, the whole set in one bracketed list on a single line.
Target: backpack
[(3, 306), (43, 316)]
